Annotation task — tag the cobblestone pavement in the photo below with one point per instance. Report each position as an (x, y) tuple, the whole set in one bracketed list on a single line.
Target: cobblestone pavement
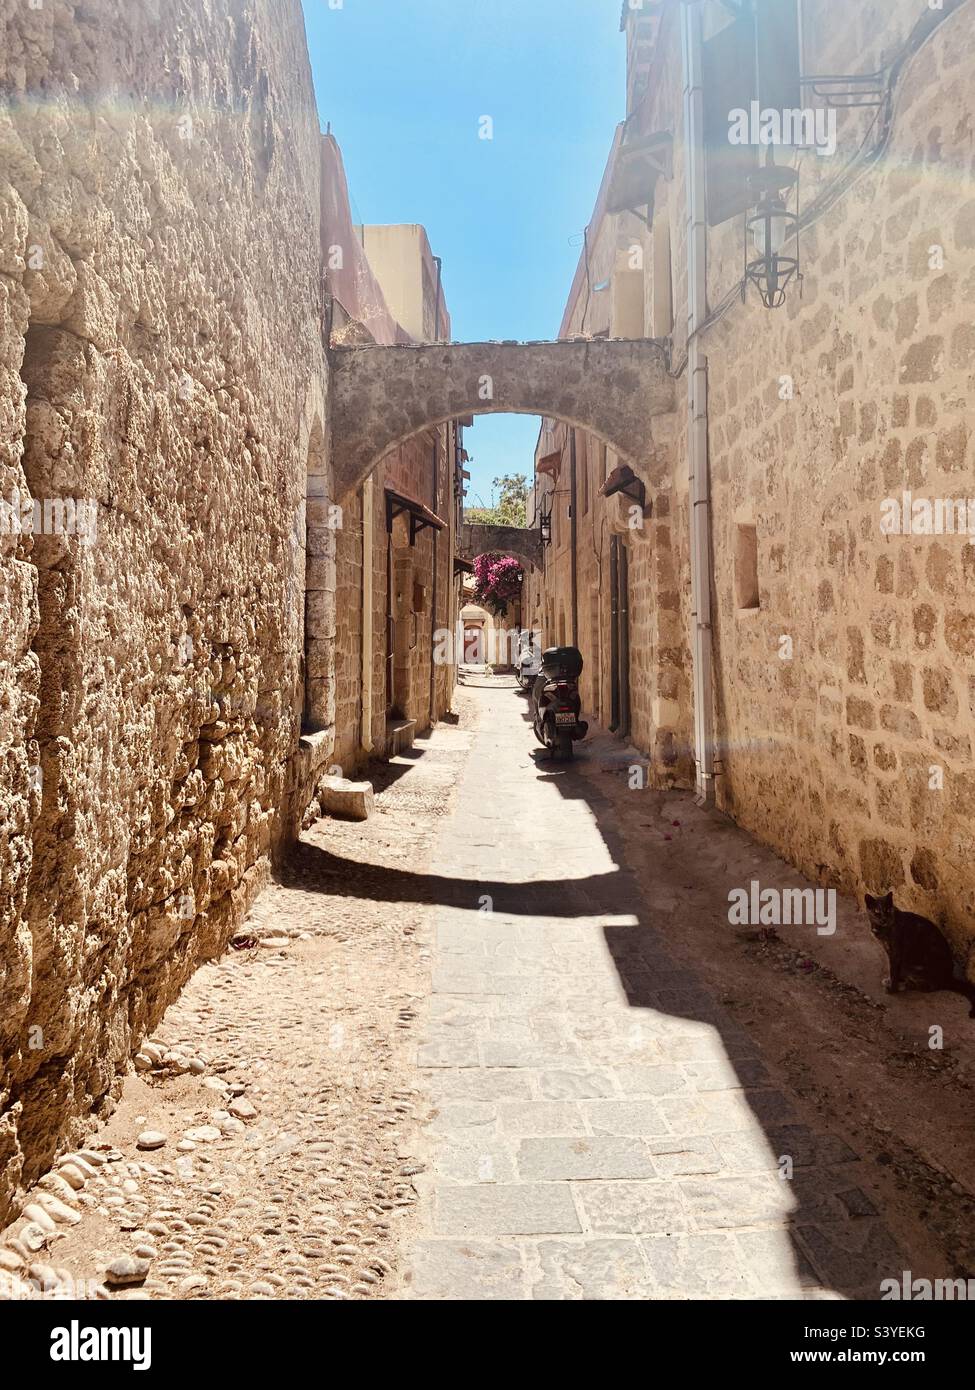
[(487, 1046), (601, 1128), (277, 1103)]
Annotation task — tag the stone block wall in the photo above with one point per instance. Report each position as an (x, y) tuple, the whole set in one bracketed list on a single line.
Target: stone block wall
[(844, 704), (845, 700), (658, 686), (161, 366), (348, 636), (408, 468)]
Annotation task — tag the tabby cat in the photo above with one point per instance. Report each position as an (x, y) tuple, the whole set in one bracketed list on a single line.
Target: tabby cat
[(919, 956)]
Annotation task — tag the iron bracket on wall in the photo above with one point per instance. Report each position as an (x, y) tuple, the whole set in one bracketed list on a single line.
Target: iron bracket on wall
[(396, 505), (868, 89)]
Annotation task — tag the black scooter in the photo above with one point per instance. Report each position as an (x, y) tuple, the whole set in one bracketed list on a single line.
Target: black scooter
[(556, 704)]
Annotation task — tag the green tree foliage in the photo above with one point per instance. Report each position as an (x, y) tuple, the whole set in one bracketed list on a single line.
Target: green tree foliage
[(511, 506)]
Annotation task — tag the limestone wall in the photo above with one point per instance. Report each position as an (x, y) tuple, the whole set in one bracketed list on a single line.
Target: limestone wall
[(854, 756), (161, 362), (408, 468), (845, 701), (348, 635), (659, 685), (659, 666)]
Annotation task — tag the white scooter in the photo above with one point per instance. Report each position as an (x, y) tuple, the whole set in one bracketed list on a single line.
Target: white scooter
[(529, 660)]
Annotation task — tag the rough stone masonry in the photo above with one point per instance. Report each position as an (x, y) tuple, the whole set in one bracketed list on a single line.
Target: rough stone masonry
[(161, 364), (842, 638)]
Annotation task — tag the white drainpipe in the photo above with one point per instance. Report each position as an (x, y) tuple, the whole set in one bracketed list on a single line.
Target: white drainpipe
[(699, 499)]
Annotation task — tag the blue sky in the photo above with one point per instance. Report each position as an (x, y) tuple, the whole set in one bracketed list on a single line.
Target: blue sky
[(404, 84)]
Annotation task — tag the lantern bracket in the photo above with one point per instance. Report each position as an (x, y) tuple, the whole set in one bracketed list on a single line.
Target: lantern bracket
[(867, 89)]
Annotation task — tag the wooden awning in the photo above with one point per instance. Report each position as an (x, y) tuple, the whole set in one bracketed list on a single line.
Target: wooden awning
[(420, 516), (624, 480), (550, 464), (638, 165), (462, 566)]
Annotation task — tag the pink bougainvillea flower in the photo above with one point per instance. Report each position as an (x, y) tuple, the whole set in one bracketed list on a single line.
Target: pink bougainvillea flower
[(498, 580)]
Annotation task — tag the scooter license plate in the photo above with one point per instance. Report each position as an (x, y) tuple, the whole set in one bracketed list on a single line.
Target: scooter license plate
[(564, 717)]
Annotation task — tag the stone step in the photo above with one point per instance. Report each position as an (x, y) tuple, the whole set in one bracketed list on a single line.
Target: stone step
[(399, 736)]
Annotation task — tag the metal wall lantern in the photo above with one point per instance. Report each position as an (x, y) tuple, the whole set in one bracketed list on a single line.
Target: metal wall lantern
[(767, 230), (545, 527)]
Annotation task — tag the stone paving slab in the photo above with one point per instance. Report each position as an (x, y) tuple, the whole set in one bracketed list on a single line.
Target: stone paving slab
[(486, 1160), (633, 1208), (482, 1084), (597, 1156), (506, 1209), (699, 1266), (542, 1117), (452, 1270), (600, 1128), (597, 1268), (575, 1085)]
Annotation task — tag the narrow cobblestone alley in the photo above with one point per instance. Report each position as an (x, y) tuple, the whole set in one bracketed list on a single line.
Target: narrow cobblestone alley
[(481, 1048), (487, 691)]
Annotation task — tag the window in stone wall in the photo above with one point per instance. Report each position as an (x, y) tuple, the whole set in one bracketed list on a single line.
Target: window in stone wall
[(746, 568)]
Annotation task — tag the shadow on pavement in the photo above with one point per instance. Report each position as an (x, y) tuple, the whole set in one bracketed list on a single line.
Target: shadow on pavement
[(838, 1242), (768, 1200)]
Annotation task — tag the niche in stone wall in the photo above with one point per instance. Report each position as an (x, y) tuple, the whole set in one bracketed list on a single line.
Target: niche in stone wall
[(746, 568)]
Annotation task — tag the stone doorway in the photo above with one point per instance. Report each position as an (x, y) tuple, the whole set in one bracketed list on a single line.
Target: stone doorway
[(473, 643)]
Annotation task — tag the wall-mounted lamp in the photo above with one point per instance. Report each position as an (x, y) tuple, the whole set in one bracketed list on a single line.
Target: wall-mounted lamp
[(768, 229), (545, 527)]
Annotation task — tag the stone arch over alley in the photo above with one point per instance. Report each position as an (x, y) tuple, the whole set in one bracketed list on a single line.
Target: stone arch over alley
[(382, 396), (524, 543)]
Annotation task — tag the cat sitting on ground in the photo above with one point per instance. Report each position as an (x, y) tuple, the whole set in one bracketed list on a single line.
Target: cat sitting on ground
[(920, 958)]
